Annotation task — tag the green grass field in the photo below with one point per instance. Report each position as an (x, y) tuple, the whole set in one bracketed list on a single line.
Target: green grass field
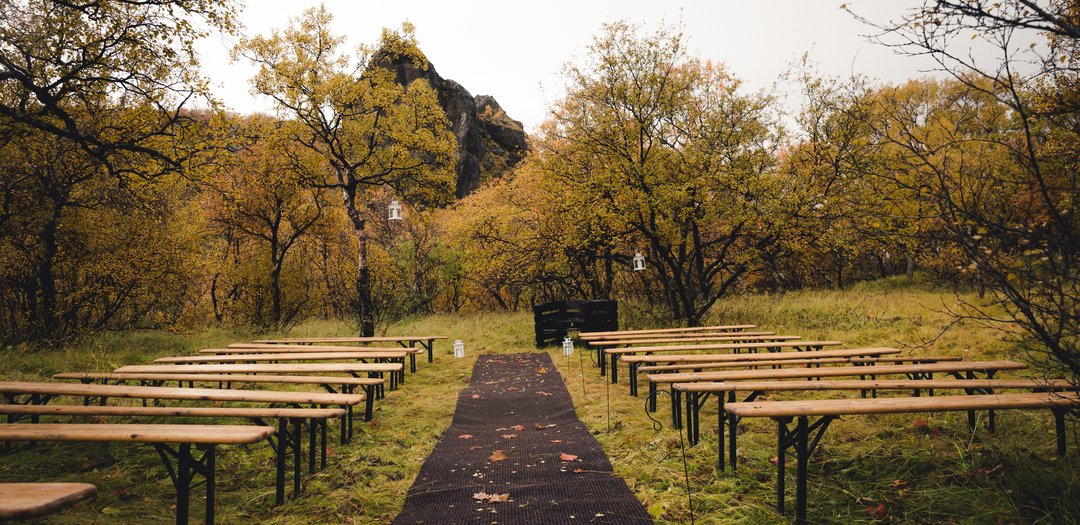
[(898, 468)]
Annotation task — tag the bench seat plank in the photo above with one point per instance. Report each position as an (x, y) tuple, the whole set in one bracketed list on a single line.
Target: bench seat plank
[(22, 501), (224, 378), (279, 368), (374, 339), (720, 358), (297, 356), (789, 362), (877, 370), (193, 394), (90, 410), (135, 433), (264, 348), (873, 384), (762, 345), (719, 337), (898, 405)]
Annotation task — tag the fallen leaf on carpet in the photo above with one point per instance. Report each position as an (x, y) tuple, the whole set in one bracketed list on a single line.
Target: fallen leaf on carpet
[(567, 457), (508, 436), (498, 455), (465, 436)]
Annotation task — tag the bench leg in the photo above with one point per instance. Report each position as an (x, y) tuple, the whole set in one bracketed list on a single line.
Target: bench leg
[(720, 422), (652, 397), (183, 483), (781, 457), (614, 368), (601, 359), (633, 378), (733, 433), (296, 440), (1059, 429), (187, 467), (311, 445), (208, 461), (279, 477), (325, 422), (430, 347), (676, 407)]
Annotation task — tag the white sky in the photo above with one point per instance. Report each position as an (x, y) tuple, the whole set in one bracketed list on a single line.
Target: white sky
[(514, 50)]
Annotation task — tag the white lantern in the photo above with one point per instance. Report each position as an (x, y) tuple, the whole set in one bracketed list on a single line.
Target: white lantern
[(395, 210), (567, 346), (459, 349), (639, 262)]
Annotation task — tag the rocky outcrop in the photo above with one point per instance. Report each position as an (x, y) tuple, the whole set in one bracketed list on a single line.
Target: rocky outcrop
[(488, 141)]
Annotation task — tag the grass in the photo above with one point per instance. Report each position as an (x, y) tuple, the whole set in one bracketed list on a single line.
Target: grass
[(882, 469)]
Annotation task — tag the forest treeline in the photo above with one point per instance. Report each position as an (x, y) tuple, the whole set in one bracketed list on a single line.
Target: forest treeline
[(125, 206)]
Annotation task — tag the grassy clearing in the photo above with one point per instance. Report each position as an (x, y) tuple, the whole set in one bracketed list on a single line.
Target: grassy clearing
[(870, 469)]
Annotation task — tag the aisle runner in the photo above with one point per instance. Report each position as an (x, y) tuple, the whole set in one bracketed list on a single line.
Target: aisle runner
[(517, 453)]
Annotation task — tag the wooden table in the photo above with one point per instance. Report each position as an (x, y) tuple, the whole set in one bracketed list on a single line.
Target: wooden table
[(426, 341), (958, 369), (186, 466), (804, 436), (735, 348), (631, 333), (268, 348), (316, 419), (24, 501), (40, 393), (634, 362), (697, 393)]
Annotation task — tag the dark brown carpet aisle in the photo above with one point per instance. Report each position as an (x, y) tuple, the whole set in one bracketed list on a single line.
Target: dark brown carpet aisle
[(516, 453)]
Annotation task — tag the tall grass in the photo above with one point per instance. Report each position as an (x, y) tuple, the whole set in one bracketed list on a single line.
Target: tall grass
[(869, 469)]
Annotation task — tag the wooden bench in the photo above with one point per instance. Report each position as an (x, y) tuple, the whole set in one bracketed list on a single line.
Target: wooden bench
[(718, 336), (735, 348), (631, 333), (268, 348), (186, 466), (379, 357), (25, 501), (634, 362), (803, 436), (697, 393), (354, 369), (957, 369), (316, 419), (40, 393), (426, 341)]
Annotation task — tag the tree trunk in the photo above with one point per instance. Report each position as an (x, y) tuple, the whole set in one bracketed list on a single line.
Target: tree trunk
[(363, 283), (47, 320), (910, 260)]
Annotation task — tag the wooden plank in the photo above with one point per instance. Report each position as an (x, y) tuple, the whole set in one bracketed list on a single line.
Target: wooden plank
[(376, 339), (280, 368), (267, 348), (872, 384), (299, 356), (722, 358), (837, 371), (716, 328), (106, 432), (722, 346), (23, 501), (92, 410), (191, 394), (896, 405), (224, 378), (744, 336), (791, 362)]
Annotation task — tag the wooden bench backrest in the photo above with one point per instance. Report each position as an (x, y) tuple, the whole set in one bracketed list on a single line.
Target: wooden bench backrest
[(887, 405), (838, 371)]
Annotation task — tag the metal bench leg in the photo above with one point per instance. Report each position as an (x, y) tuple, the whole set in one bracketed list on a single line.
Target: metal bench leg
[(781, 456), (652, 396), (296, 440), (325, 422), (614, 368), (1059, 429), (733, 434), (601, 359), (279, 477), (633, 378), (183, 483), (720, 422), (311, 445), (676, 407), (208, 461)]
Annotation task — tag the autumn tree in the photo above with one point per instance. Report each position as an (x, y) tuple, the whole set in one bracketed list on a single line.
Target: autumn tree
[(997, 152), (371, 132), (672, 149)]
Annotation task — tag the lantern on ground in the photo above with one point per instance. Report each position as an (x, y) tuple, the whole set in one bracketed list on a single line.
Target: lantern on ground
[(567, 346), (395, 210), (639, 262), (459, 349)]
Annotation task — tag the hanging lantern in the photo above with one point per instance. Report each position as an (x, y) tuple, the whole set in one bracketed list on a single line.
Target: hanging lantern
[(567, 346), (459, 349), (639, 262), (395, 210)]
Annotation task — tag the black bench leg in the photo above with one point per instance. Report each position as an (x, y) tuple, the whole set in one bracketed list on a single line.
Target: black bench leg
[(311, 445), (183, 483), (633, 378), (1059, 429), (369, 408), (802, 453), (614, 368), (430, 347), (781, 456), (733, 433), (323, 463), (412, 363), (601, 359), (208, 461), (297, 438), (691, 439), (652, 396), (279, 478)]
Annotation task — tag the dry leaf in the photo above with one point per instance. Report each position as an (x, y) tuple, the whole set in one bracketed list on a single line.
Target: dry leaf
[(541, 392), (567, 457), (498, 498), (519, 428), (508, 436), (538, 426), (465, 436), (542, 370), (478, 447), (476, 396), (498, 455), (481, 496), (556, 441)]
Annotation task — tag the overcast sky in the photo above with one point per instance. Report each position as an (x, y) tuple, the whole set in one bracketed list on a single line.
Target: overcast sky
[(514, 50)]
